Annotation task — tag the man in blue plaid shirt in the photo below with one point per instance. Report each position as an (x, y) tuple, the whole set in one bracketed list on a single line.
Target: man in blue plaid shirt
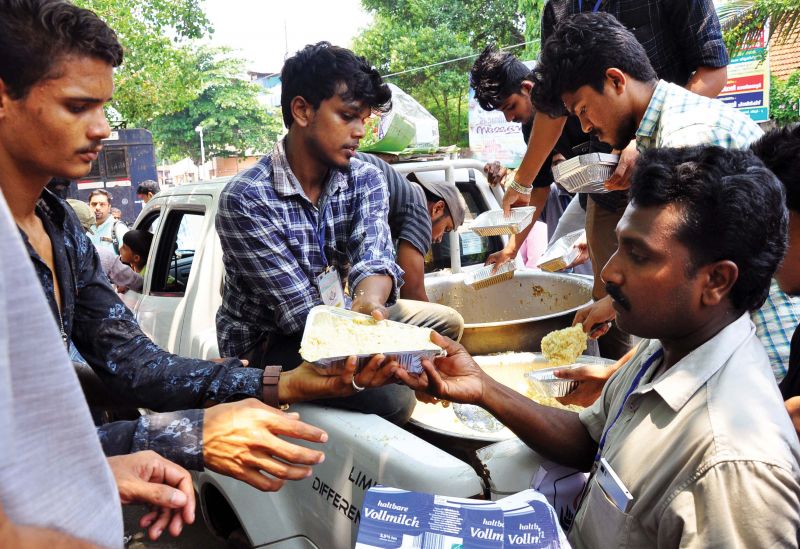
[(309, 217)]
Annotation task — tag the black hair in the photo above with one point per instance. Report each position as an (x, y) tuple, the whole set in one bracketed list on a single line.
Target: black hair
[(495, 76), (580, 51), (147, 186), (35, 35), (138, 241), (732, 208), (103, 192), (60, 187), (779, 150), (320, 71)]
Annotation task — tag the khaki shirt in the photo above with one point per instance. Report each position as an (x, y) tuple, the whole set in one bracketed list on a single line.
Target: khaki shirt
[(706, 449)]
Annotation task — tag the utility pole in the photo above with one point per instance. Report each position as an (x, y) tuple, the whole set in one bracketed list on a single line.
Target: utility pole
[(199, 129)]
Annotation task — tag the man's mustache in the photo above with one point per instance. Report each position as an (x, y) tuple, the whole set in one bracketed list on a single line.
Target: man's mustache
[(617, 295)]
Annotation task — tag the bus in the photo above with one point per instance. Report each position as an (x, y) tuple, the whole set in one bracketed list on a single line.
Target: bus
[(128, 158)]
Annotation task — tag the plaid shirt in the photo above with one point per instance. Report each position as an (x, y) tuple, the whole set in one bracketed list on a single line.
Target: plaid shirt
[(678, 35), (271, 250), (676, 117), (775, 321)]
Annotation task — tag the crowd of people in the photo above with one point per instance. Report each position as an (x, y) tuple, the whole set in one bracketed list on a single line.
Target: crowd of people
[(696, 253)]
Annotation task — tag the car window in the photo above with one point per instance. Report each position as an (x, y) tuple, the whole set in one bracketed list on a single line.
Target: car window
[(177, 246), (474, 248)]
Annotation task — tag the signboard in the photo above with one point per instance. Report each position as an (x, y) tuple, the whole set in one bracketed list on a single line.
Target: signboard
[(491, 137), (747, 88)]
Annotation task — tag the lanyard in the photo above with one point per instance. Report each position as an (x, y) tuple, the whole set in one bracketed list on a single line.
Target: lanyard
[(634, 384), (594, 9), (319, 229)]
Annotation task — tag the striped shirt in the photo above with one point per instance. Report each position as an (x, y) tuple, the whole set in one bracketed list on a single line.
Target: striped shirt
[(409, 219), (676, 117), (271, 247)]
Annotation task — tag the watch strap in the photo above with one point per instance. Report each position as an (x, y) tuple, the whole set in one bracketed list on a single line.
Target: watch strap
[(269, 385)]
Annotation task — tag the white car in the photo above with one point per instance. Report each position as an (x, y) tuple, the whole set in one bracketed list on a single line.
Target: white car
[(182, 292)]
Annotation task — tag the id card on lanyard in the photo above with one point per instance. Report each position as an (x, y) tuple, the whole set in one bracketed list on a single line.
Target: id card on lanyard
[(602, 472), (329, 283)]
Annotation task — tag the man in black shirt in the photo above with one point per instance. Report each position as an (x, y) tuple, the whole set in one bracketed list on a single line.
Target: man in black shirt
[(502, 82), (779, 149)]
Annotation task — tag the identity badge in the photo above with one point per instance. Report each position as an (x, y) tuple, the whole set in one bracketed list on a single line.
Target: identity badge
[(612, 485), (330, 288)]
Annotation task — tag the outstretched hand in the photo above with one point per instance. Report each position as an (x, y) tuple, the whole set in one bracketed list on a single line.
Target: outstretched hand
[(146, 477), (495, 173), (307, 382), (455, 377), (500, 258), (592, 378), (241, 440)]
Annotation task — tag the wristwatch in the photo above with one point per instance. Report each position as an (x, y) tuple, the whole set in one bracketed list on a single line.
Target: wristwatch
[(269, 386)]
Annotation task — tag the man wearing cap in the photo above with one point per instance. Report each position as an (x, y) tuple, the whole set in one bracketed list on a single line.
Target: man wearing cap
[(420, 213)]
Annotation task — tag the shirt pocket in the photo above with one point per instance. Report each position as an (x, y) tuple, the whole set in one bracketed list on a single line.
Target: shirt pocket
[(603, 525)]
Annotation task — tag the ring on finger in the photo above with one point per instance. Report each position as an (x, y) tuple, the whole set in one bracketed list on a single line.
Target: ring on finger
[(358, 388)]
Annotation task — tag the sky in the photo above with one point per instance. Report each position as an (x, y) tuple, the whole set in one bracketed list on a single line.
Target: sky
[(256, 27)]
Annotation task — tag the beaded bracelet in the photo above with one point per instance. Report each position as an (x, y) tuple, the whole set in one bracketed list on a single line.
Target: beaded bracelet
[(520, 188)]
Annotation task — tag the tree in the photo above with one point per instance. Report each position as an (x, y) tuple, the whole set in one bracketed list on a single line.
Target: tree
[(784, 99), (408, 36), (743, 20), (157, 76), (234, 121), (532, 12)]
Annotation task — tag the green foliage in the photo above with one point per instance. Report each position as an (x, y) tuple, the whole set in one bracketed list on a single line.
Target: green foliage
[(157, 76), (743, 20), (784, 99), (234, 122), (409, 34), (532, 11)]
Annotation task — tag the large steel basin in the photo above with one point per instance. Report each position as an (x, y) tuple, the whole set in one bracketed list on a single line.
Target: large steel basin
[(512, 315)]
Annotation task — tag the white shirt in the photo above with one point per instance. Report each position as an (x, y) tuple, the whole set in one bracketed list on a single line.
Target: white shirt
[(52, 470), (101, 235), (706, 449)]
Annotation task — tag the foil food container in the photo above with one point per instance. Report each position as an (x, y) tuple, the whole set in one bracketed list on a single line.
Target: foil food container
[(409, 359), (544, 382), (585, 173), (483, 277), (560, 253), (494, 222)]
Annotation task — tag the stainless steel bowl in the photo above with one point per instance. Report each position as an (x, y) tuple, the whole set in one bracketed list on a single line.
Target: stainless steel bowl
[(514, 315)]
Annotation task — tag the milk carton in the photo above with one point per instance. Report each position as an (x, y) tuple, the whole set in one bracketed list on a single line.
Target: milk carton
[(392, 518), (530, 522)]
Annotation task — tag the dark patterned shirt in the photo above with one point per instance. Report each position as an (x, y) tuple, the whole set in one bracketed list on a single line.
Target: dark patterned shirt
[(271, 236), (678, 35), (131, 366)]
